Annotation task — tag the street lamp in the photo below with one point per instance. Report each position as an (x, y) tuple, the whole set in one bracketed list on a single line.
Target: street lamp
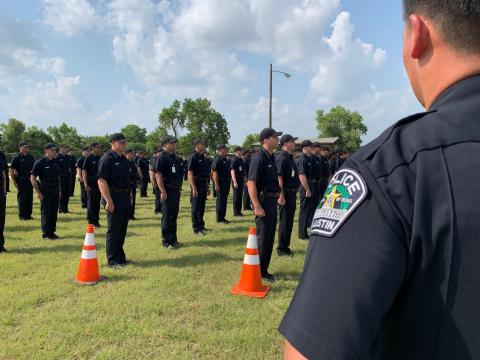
[(287, 75)]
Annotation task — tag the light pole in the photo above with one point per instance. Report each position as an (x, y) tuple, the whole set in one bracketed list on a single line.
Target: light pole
[(287, 75)]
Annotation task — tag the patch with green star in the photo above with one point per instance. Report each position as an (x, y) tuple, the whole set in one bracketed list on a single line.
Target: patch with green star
[(346, 191)]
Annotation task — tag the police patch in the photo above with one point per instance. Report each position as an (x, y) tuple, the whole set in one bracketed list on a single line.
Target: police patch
[(346, 191)]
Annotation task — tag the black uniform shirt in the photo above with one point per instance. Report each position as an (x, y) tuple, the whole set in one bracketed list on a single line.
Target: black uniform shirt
[(287, 169), (80, 162), (222, 166), (199, 165), (91, 166), (63, 164), (171, 168), (399, 278), (73, 163), (3, 169), (325, 167), (316, 167), (115, 169), (263, 171), (246, 163), (22, 164), (143, 163), (47, 172), (239, 166), (305, 165), (133, 172)]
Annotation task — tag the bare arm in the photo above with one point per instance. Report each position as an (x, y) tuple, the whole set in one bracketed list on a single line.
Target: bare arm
[(105, 191), (304, 181), (12, 176), (85, 180), (161, 186), (153, 180), (79, 175), (281, 199), (33, 180), (234, 178), (215, 179), (290, 353), (191, 181)]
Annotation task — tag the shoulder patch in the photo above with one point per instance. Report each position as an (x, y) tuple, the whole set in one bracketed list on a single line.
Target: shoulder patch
[(346, 191)]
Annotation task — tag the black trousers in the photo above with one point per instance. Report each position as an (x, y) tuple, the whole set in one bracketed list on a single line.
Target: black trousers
[(93, 202), (247, 204), (49, 209), (197, 205), (266, 227), (83, 195), (323, 188), (3, 205), (222, 197), (287, 216), (24, 197), (72, 185), (169, 216), (117, 228), (65, 184), (134, 201), (143, 185), (307, 210), (158, 202), (237, 198)]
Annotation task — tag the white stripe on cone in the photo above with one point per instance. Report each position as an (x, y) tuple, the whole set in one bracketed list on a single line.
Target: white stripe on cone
[(89, 254), (89, 239), (251, 260), (252, 242)]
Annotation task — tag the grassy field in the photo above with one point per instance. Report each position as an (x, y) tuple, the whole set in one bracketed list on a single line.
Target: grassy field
[(165, 305)]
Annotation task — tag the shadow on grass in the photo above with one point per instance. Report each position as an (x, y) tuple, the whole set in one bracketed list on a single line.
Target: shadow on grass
[(288, 275), (185, 261), (43, 249)]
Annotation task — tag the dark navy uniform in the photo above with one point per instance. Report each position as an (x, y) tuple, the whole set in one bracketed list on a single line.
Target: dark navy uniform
[(287, 169), (317, 173), (142, 164), (307, 204), (156, 190), (65, 182), (247, 204), (3, 197), (73, 172), (200, 166), (239, 167), (393, 271), (115, 170), (94, 197), (263, 171), (325, 171), (22, 166), (48, 173), (171, 168), (222, 166), (83, 192), (134, 184)]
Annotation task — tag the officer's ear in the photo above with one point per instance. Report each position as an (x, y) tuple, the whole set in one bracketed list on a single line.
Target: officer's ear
[(417, 36)]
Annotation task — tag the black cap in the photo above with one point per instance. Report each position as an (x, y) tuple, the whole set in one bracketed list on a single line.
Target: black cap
[(222, 146), (316, 144), (63, 146), (237, 148), (287, 138), (22, 144), (117, 137), (169, 139), (199, 141), (49, 146), (94, 144), (266, 133), (306, 143), (85, 148), (129, 151)]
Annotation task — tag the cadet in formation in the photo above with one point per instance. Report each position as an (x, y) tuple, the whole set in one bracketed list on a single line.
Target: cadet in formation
[(238, 175), (63, 162), (307, 202), (130, 155), (90, 179), (20, 169), (3, 198), (79, 168), (221, 179)]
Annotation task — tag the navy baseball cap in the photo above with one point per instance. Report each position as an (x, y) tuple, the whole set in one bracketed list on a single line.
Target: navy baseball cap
[(199, 141), (287, 138), (49, 146), (169, 139), (22, 144), (268, 132), (118, 137), (222, 146), (306, 143)]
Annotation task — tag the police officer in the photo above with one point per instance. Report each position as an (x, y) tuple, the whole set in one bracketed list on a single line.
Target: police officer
[(3, 198), (20, 168), (246, 156), (305, 173), (265, 192), (153, 181), (316, 177), (238, 178), (79, 167), (199, 179), (90, 179), (325, 166), (142, 165), (115, 187), (65, 178), (73, 170), (399, 225), (289, 182), (130, 155), (169, 176), (221, 179), (47, 172)]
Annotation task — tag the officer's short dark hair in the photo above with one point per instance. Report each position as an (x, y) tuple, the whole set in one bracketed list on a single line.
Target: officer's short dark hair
[(94, 144), (85, 148), (457, 20)]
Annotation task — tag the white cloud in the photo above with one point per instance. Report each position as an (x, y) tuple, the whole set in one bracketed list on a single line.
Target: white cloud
[(70, 17)]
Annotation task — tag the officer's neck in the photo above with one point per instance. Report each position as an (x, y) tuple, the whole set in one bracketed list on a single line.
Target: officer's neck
[(265, 147)]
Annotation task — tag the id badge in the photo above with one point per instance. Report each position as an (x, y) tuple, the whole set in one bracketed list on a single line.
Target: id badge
[(173, 170), (293, 173)]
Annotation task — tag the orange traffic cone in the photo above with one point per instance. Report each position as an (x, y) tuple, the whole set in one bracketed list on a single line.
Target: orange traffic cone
[(250, 283), (87, 273)]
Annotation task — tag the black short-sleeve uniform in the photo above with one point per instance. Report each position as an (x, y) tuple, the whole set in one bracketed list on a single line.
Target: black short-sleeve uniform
[(156, 190), (143, 164), (325, 171), (200, 167), (171, 168), (63, 162), (400, 277), (22, 166), (115, 170), (73, 173), (288, 171), (83, 192), (263, 171), (94, 197), (247, 204), (222, 166), (48, 174), (3, 197), (307, 204), (238, 166)]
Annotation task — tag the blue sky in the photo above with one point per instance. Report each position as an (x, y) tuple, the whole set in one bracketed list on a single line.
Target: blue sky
[(99, 65)]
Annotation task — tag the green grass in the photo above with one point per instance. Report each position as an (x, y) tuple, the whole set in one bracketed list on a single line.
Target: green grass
[(166, 305)]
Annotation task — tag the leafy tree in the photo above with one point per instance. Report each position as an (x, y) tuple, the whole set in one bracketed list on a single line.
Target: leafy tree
[(154, 139), (172, 118), (36, 138), (65, 134), (134, 133), (250, 139), (342, 123), (11, 134), (103, 140)]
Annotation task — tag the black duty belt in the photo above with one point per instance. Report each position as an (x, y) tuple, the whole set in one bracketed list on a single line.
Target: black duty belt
[(123, 191), (65, 175), (292, 190), (269, 194), (202, 178), (49, 183)]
